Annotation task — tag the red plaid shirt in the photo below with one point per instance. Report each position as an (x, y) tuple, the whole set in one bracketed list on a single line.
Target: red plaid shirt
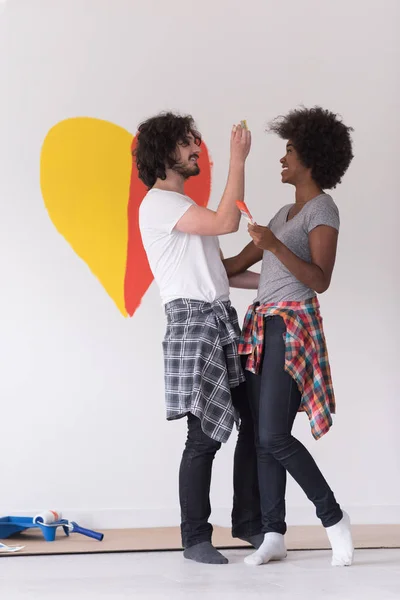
[(306, 358)]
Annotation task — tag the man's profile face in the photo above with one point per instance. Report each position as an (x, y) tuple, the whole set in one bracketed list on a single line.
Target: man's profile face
[(187, 156)]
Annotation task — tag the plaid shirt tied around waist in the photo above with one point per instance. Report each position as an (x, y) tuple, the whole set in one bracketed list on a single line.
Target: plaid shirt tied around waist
[(306, 355), (202, 364)]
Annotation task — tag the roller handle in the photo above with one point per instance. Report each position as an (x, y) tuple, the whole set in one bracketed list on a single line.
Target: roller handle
[(88, 532)]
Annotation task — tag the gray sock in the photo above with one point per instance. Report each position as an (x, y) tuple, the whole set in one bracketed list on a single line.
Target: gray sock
[(205, 553), (254, 540)]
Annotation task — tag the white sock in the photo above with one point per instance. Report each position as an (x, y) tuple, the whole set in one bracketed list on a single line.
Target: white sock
[(272, 548), (341, 541)]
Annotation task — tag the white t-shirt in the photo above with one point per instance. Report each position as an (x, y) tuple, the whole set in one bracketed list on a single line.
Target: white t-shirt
[(184, 265)]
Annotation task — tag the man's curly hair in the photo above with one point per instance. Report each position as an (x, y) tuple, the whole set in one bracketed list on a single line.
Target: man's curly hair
[(156, 143), (321, 140)]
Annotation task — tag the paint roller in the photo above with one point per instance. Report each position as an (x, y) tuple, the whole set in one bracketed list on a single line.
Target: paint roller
[(47, 517), (53, 518)]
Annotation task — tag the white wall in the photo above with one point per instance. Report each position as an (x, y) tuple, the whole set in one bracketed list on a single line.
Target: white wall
[(81, 388)]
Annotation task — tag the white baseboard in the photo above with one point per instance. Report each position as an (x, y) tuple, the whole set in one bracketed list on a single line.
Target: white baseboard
[(305, 515), (169, 517)]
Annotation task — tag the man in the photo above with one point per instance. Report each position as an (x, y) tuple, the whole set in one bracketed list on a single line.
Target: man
[(203, 374)]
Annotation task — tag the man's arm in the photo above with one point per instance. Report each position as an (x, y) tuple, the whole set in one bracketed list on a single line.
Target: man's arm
[(249, 256), (203, 221)]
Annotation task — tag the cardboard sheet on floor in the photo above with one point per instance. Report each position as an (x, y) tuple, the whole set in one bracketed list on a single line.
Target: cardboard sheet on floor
[(168, 538)]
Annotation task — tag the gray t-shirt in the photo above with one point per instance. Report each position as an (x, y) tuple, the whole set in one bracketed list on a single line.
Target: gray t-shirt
[(277, 284)]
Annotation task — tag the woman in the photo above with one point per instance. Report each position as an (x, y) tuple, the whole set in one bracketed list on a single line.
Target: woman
[(287, 364)]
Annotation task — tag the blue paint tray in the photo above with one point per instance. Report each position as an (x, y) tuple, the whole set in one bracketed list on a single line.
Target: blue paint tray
[(12, 525)]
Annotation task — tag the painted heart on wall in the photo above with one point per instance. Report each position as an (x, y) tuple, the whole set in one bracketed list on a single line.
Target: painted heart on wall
[(92, 193)]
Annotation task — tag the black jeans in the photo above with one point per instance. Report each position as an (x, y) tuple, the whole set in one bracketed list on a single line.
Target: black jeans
[(195, 478), (275, 400)]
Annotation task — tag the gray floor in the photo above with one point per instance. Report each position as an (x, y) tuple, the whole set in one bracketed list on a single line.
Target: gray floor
[(303, 575)]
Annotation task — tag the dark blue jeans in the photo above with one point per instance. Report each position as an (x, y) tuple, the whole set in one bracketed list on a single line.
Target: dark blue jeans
[(275, 400), (195, 478)]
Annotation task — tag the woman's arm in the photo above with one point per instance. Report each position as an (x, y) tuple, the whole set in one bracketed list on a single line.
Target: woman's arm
[(245, 281), (249, 256), (323, 244), (236, 268)]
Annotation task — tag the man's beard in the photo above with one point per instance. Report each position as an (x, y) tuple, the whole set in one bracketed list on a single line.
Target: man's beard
[(187, 170)]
